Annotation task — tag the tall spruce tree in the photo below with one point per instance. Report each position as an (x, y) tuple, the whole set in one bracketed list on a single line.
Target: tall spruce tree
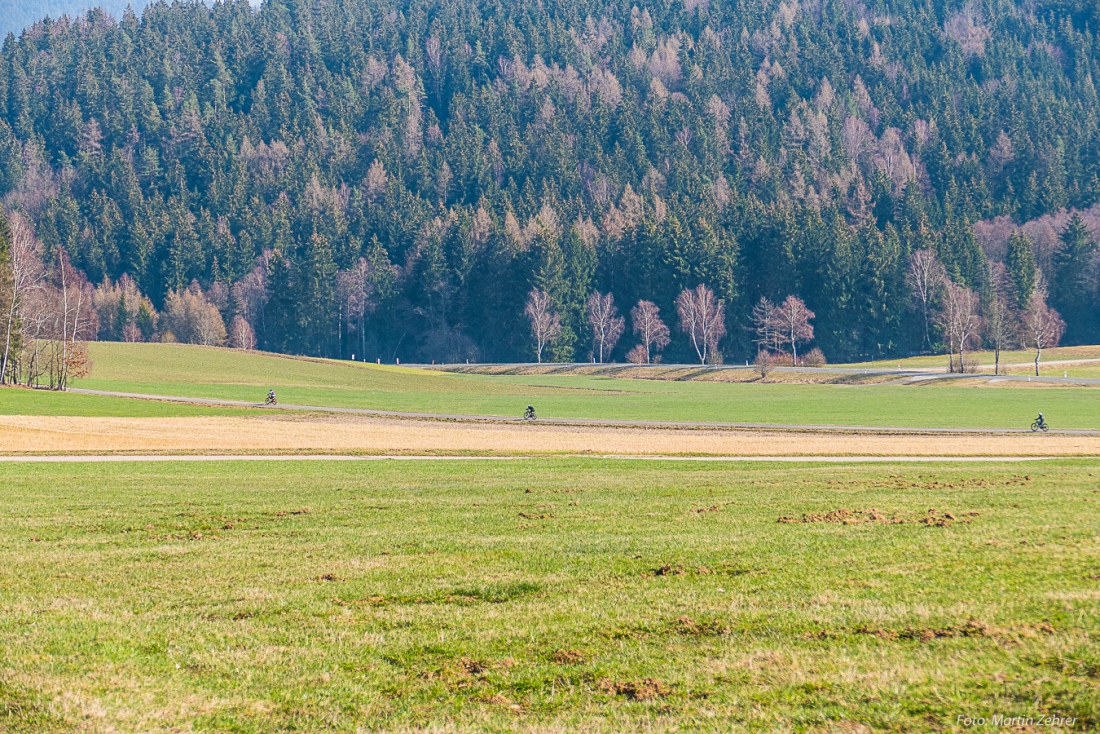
[(1020, 262), (1073, 293)]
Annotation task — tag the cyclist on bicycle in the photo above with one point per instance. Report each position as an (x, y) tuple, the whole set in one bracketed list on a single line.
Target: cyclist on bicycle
[(271, 397), (529, 414)]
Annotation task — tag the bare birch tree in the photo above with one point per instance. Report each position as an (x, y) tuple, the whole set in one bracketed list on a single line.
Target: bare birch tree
[(24, 275), (646, 319), (76, 319), (926, 277), (241, 335), (792, 320), (545, 322), (607, 325), (958, 317), (702, 318), (1042, 326)]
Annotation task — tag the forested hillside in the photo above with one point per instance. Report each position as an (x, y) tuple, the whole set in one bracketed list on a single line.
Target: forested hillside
[(392, 179), (18, 14)]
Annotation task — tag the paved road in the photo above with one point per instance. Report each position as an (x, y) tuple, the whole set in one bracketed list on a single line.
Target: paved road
[(120, 458), (467, 418)]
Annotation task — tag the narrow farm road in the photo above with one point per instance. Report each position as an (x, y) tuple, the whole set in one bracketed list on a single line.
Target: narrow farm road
[(120, 458)]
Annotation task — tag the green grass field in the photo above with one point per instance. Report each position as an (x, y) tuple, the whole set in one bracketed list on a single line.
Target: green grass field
[(987, 359), (552, 595), (18, 401), (220, 373)]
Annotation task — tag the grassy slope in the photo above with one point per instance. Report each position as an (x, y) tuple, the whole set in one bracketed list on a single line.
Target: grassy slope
[(170, 595), (18, 401), (219, 373), (1013, 357)]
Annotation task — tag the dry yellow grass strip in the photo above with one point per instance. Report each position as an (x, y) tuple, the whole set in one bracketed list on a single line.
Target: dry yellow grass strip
[(213, 434)]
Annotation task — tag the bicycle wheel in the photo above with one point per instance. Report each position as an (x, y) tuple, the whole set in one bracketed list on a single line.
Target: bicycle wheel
[(1035, 426)]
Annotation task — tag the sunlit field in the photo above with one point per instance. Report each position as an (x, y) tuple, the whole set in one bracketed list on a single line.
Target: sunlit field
[(549, 595), (167, 369)]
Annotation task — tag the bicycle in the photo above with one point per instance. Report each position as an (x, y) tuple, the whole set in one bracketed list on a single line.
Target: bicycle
[(1039, 425), (270, 400), (529, 414)]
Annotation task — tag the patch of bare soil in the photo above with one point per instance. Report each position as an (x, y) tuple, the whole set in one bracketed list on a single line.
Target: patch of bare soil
[(646, 689), (567, 657), (707, 628), (499, 699), (474, 667), (971, 628), (898, 482), (844, 516)]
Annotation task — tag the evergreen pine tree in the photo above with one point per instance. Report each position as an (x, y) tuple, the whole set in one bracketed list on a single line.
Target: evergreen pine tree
[(1020, 262), (1074, 283)]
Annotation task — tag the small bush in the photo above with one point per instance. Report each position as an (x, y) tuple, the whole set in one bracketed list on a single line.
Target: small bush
[(814, 358), (765, 362)]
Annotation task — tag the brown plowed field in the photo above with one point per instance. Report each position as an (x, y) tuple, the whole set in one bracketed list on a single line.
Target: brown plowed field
[(216, 434)]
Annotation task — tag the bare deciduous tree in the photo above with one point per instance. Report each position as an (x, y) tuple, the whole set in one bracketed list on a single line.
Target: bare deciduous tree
[(999, 316), (792, 320), (355, 293), (607, 324), (76, 318), (53, 320), (24, 275), (636, 355), (1042, 326), (958, 317), (120, 306), (646, 319), (249, 294), (926, 276), (765, 326), (545, 322), (241, 335), (192, 319), (968, 26), (702, 318), (764, 363)]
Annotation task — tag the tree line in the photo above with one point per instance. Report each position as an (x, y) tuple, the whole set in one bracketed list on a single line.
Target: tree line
[(392, 180)]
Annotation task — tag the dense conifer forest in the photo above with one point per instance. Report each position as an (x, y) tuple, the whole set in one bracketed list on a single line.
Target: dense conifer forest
[(392, 179), (19, 14)]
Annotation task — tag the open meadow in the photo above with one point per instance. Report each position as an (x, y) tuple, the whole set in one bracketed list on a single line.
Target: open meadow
[(509, 576), (1083, 361), (546, 595), (168, 369)]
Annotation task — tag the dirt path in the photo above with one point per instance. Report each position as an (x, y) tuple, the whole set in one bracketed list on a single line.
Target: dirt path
[(286, 432), (596, 422), (116, 458)]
